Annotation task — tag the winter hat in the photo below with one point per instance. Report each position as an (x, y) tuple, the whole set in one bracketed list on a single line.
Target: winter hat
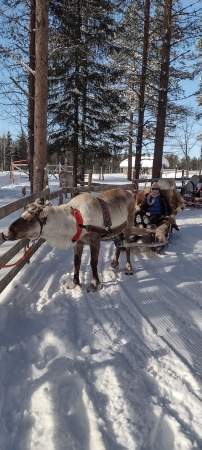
[(155, 186)]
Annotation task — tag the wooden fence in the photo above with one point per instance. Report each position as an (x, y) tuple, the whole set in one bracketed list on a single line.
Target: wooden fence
[(5, 211)]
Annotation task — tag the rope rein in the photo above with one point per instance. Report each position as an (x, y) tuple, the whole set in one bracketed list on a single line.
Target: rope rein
[(28, 251)]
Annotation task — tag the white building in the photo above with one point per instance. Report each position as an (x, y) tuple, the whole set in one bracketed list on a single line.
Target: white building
[(146, 164)]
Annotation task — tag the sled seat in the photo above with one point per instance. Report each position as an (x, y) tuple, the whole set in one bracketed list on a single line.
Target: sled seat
[(161, 231)]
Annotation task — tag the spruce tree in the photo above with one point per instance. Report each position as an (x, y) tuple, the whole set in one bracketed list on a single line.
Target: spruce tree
[(85, 105)]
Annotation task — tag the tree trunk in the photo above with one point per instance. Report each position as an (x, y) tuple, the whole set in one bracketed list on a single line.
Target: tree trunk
[(130, 147), (141, 107), (83, 125), (41, 93), (130, 128), (76, 98), (163, 91), (31, 89)]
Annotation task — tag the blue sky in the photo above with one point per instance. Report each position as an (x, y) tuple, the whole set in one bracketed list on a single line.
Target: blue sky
[(8, 122), (9, 125), (190, 86)]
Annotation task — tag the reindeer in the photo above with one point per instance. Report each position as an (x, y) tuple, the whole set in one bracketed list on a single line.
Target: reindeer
[(66, 178), (85, 220)]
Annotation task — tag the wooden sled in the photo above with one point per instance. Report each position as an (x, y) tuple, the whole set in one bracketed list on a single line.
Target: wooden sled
[(154, 238), (192, 201)]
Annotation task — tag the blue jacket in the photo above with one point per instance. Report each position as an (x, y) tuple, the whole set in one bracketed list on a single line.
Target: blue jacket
[(160, 207)]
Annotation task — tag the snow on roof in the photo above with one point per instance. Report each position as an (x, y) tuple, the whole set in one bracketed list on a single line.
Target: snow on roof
[(146, 162)]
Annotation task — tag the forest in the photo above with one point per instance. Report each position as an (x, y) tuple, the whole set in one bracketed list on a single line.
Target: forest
[(91, 82)]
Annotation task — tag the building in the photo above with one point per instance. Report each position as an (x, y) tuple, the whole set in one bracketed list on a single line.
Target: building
[(146, 165)]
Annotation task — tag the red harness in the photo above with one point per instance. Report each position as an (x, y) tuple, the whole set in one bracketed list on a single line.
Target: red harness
[(79, 222)]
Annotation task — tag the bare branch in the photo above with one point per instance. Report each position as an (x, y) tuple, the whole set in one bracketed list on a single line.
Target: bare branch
[(4, 49)]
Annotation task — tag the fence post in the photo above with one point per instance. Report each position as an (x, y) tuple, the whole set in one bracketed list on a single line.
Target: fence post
[(12, 172), (183, 180), (90, 178), (23, 191), (26, 246), (60, 201)]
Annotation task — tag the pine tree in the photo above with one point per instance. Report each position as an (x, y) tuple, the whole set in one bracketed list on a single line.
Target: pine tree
[(163, 90), (85, 104), (21, 147), (9, 148)]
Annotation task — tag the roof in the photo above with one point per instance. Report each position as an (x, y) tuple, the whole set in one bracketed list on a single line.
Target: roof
[(146, 162)]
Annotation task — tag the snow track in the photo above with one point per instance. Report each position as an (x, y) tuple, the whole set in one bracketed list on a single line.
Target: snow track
[(119, 369)]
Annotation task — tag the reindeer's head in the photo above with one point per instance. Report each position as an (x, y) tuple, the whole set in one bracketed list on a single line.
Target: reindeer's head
[(30, 224)]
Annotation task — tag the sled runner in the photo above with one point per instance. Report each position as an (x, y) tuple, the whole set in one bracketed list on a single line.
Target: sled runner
[(193, 201)]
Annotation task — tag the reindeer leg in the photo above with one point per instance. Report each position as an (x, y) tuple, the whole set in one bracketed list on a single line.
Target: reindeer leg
[(127, 233), (78, 250), (115, 262), (94, 251), (128, 267)]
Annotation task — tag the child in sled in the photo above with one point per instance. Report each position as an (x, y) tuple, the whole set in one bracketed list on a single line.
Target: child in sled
[(153, 209)]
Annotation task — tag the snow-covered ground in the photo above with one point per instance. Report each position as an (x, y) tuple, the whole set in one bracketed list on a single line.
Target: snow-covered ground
[(119, 369)]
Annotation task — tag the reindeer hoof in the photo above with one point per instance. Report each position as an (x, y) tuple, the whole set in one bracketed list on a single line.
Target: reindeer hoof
[(128, 270), (113, 266), (93, 288), (73, 285)]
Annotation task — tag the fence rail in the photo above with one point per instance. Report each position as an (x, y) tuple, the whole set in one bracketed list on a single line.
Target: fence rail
[(5, 211)]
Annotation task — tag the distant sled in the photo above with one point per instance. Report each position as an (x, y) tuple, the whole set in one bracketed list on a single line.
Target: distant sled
[(192, 192)]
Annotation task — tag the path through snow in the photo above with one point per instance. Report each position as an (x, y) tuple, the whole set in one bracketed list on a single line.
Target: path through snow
[(119, 369)]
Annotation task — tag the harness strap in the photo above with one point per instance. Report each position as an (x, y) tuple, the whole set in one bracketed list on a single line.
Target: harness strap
[(105, 212), (79, 222), (99, 230)]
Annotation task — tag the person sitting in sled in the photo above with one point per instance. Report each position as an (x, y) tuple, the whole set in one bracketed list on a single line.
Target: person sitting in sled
[(153, 209)]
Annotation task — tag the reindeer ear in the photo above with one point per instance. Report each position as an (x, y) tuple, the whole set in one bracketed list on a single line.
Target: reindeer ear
[(35, 208), (39, 203), (45, 211)]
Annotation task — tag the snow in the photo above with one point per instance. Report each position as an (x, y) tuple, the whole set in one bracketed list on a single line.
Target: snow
[(146, 162), (119, 369)]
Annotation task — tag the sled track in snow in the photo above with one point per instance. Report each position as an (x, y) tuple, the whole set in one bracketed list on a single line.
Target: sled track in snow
[(189, 352), (167, 307), (119, 318)]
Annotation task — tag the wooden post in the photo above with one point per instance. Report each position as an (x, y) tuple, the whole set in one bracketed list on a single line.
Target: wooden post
[(90, 178), (26, 246), (23, 191), (60, 201), (183, 180), (12, 172)]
